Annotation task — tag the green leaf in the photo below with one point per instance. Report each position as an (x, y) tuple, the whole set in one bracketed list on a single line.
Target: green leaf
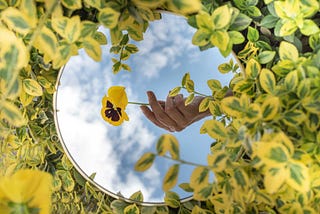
[(241, 22), (266, 56), (189, 99), (16, 20), (204, 104), (92, 48), (185, 78), (118, 206), (218, 161), (199, 177), (12, 114), (269, 21), (168, 142), (253, 34), (131, 209), (72, 4), (67, 180), (186, 187), (108, 17), (252, 69), (270, 108), (172, 199), (236, 37), (288, 28), (184, 6), (309, 27), (145, 162), (288, 51), (253, 113), (221, 17), (203, 193), (241, 179), (87, 28), (171, 178), (46, 42), (175, 91), (131, 48), (190, 85), (32, 87), (224, 68), (94, 3), (201, 37), (291, 81), (214, 129), (294, 118), (198, 210), (299, 176), (267, 81), (232, 106), (220, 39), (304, 88), (3, 4), (137, 196)]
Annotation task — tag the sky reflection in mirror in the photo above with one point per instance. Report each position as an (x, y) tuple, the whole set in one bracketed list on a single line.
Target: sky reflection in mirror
[(164, 56)]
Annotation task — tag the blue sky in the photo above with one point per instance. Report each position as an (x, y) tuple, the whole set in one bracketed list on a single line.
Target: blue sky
[(165, 55)]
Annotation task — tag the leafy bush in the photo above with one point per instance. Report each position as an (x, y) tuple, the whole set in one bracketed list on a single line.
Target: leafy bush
[(266, 152)]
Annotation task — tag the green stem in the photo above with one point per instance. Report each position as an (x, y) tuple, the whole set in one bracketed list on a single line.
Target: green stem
[(198, 93), (138, 103), (185, 162)]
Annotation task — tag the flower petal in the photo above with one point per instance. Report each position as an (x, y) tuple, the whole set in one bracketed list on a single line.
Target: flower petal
[(118, 96)]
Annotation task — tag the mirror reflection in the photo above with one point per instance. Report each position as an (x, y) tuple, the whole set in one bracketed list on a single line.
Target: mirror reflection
[(95, 146)]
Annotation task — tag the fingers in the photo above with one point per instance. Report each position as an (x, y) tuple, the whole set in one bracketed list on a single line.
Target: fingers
[(159, 112), (174, 113), (150, 115)]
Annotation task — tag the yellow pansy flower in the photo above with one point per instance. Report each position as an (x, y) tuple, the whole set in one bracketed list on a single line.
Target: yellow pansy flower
[(114, 104), (26, 189)]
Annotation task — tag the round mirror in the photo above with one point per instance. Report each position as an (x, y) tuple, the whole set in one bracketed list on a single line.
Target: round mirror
[(94, 146)]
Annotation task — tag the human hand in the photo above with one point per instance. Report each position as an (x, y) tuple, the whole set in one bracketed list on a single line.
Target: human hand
[(173, 114)]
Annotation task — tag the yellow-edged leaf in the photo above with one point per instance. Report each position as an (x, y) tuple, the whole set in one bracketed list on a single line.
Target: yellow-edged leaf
[(25, 98), (197, 210), (108, 17), (72, 4), (272, 154), (171, 177), (214, 129), (137, 196), (291, 81), (218, 160), (46, 42), (148, 3), (92, 48), (12, 114), (298, 177), (28, 7), (203, 193), (270, 107), (252, 69), (221, 17), (288, 51), (199, 177), (68, 28), (204, 104), (184, 6), (145, 162), (168, 143), (232, 106), (220, 39), (189, 99), (294, 118), (175, 91), (131, 209), (172, 199), (32, 87), (17, 20), (274, 179), (267, 80), (253, 113)]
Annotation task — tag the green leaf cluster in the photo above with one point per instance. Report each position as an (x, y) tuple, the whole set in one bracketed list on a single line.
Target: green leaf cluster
[(265, 124)]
